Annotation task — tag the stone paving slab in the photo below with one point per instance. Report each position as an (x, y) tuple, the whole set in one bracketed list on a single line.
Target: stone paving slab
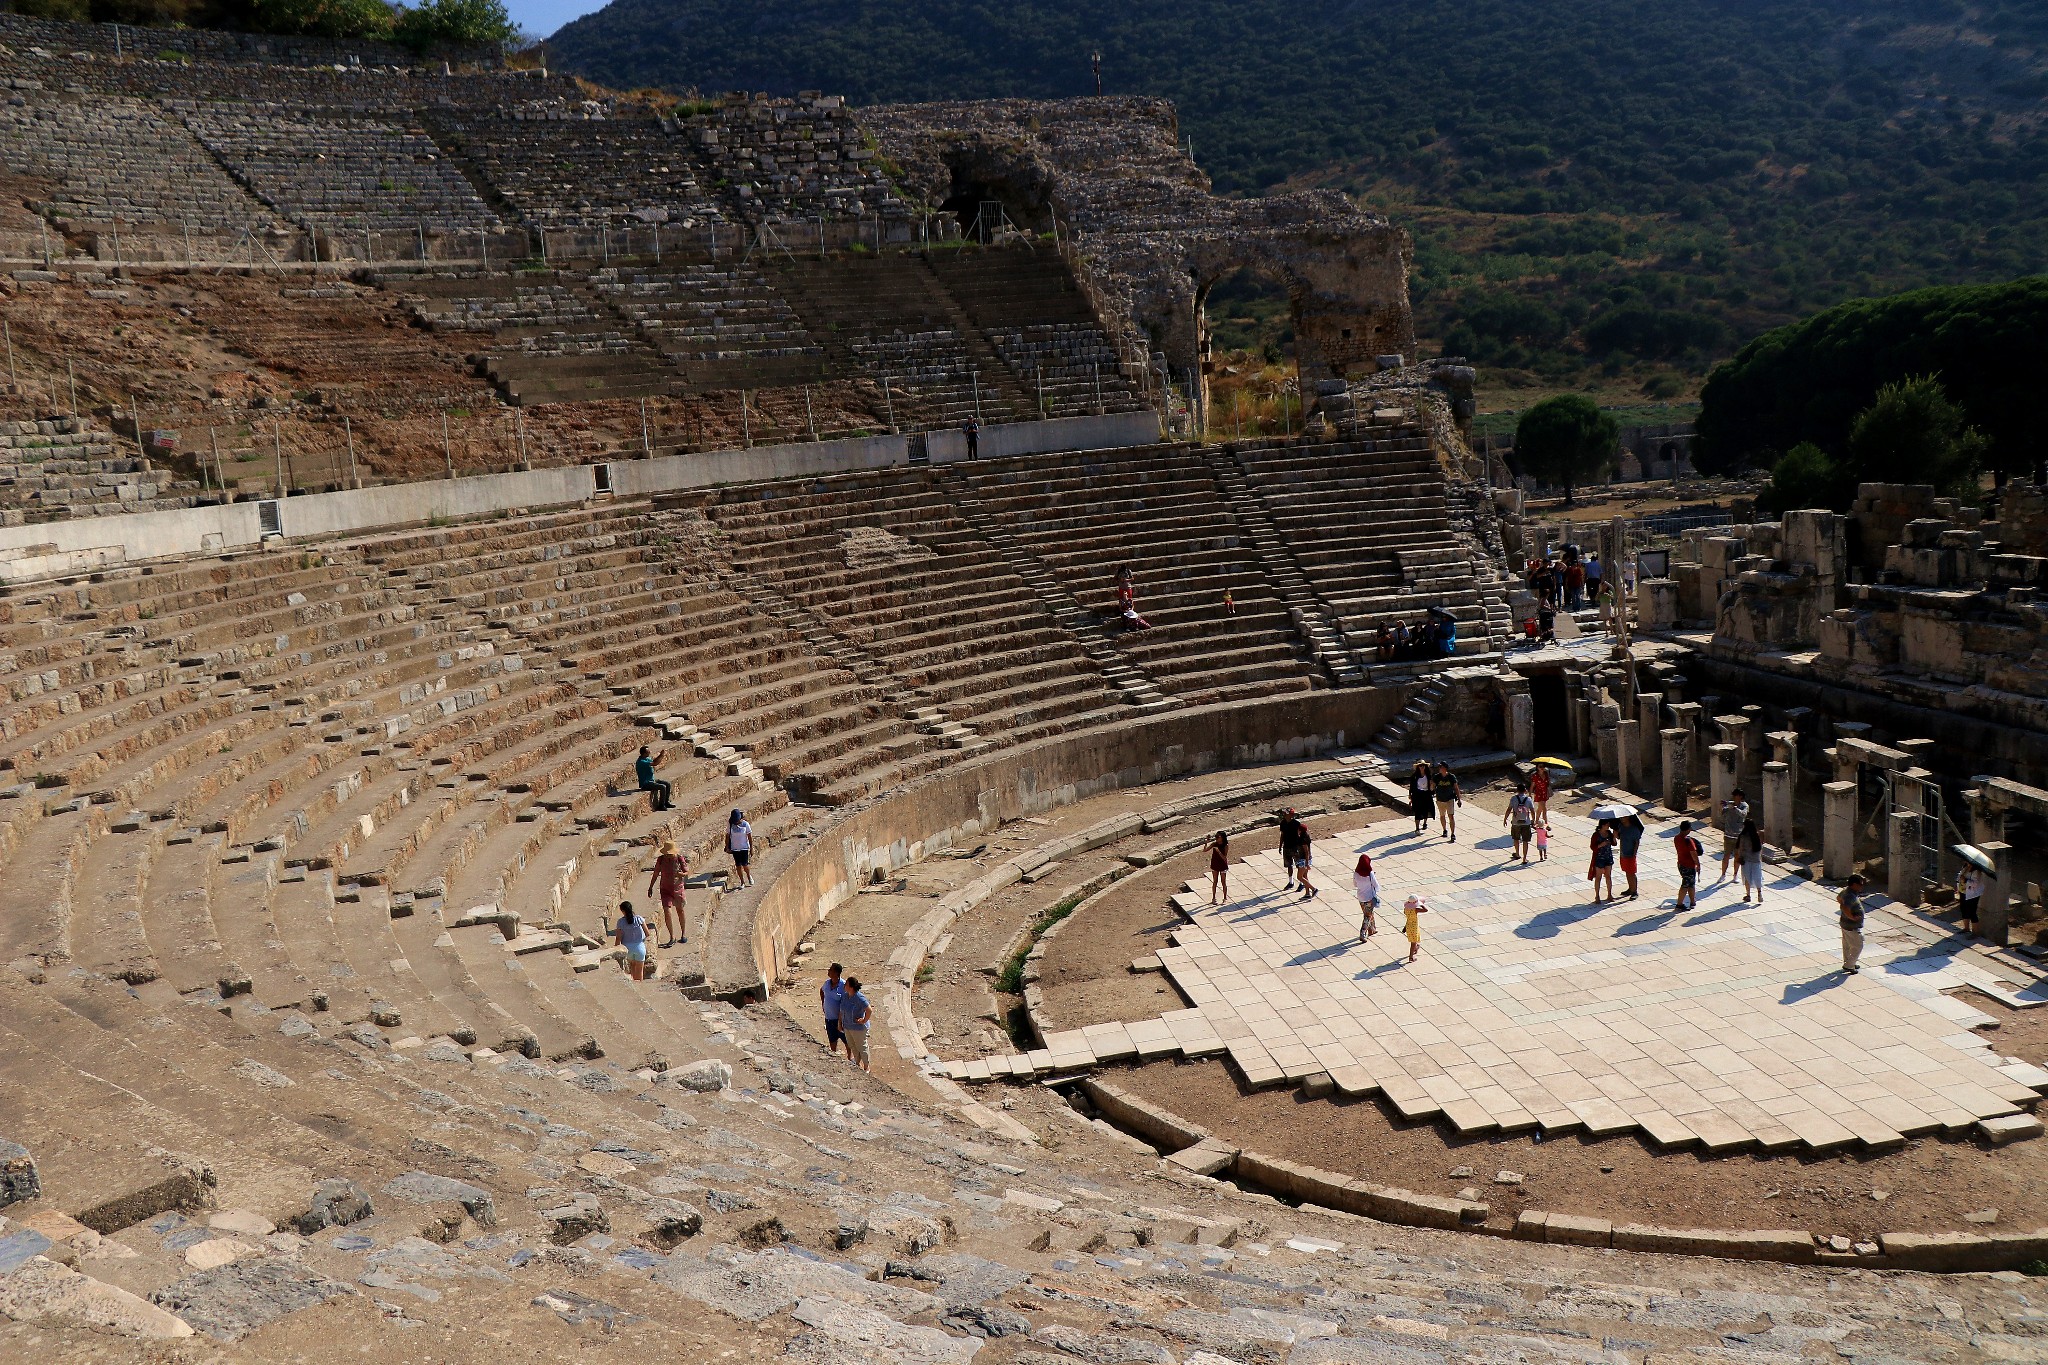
[(1727, 1026)]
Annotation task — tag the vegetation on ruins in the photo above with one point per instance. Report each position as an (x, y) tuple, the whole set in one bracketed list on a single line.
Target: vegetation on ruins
[(1602, 194), (429, 24), (1912, 433), (1566, 440), (1986, 344)]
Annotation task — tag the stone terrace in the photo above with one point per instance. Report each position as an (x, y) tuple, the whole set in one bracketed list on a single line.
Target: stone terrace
[(340, 170)]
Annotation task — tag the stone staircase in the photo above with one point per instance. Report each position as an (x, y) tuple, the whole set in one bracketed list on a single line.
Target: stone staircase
[(1398, 735), (1318, 624), (1136, 686)]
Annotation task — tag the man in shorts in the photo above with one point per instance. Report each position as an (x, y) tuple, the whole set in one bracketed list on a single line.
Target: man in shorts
[(1849, 910), (855, 1015), (1734, 815), (1521, 821), (829, 995), (1689, 853), (1290, 835)]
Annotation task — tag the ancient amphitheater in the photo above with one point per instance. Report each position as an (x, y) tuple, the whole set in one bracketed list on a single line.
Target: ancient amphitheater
[(392, 452)]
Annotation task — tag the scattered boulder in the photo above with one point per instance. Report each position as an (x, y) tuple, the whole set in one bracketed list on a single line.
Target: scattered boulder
[(19, 1178), (234, 1300), (670, 1222), (705, 1077), (336, 1204), (43, 1289), (418, 1187), (577, 1219)]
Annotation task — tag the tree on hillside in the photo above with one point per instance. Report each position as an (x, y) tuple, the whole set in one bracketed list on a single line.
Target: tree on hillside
[(1988, 345), (1566, 440), (1806, 477), (1913, 433), (455, 23)]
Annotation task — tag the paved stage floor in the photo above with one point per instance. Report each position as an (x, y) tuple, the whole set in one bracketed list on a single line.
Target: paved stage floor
[(1729, 1025)]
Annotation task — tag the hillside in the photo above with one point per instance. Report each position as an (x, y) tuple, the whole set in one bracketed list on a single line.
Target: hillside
[(1602, 193)]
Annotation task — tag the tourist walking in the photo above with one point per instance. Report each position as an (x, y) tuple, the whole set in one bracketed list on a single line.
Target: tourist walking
[(1689, 854), (1594, 577), (1969, 891), (1444, 786), (1521, 821), (1542, 843), (971, 429), (1749, 857), (630, 933), (1421, 795), (1849, 909), (855, 1016), (1629, 840), (739, 842), (1539, 792), (1734, 814), (1302, 861), (1411, 924), (1219, 868), (643, 773), (1367, 885), (1601, 872), (1290, 836), (671, 870), (829, 995)]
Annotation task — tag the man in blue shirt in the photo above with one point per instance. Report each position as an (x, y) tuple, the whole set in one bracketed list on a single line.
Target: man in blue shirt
[(1630, 833), (643, 772), (830, 994), (855, 1016)]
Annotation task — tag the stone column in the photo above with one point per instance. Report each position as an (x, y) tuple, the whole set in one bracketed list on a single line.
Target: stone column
[(1777, 822), (1902, 857), (1735, 734), (1522, 724), (1838, 830), (1677, 762), (1720, 776), (1785, 749), (1649, 747), (1754, 746), (1987, 821), (1628, 751), (1687, 715), (1606, 751), (1992, 909)]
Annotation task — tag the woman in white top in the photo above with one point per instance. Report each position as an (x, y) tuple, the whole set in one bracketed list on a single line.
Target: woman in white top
[(1368, 888), (739, 842), (1969, 889)]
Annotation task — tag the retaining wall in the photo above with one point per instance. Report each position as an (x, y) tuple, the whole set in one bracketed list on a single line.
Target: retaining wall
[(50, 549), (963, 801)]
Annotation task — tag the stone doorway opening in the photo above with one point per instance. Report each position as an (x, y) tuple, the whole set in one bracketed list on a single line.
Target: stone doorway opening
[(1552, 724)]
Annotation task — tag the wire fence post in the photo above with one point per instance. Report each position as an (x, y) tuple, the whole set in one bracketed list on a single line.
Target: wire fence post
[(810, 418), (8, 329), (135, 416), (349, 435), (71, 377), (519, 421), (646, 444), (277, 440), (220, 471), (746, 421), (447, 449)]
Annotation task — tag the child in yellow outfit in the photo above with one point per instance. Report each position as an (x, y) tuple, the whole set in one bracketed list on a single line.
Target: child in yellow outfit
[(1411, 924)]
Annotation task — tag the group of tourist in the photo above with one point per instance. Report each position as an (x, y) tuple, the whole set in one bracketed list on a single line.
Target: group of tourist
[(1433, 793), (1435, 636), (669, 878), (848, 1016), (1568, 581)]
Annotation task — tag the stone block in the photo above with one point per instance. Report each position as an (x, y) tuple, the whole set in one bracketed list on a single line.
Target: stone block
[(186, 1188), (1789, 1245), (336, 1203), (1572, 1229), (19, 1178)]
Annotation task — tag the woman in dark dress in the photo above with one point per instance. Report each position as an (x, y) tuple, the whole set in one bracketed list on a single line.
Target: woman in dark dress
[(1421, 796)]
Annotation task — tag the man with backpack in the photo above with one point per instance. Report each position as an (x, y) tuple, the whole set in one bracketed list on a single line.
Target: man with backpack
[(1689, 854)]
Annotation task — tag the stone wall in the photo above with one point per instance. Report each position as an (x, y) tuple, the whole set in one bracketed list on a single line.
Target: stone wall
[(215, 45), (969, 799)]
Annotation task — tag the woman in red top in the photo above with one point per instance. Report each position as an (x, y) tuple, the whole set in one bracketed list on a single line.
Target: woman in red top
[(1219, 868), (669, 871), (1539, 792)]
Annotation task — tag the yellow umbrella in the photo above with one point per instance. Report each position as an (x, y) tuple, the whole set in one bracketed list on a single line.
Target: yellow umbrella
[(1554, 763)]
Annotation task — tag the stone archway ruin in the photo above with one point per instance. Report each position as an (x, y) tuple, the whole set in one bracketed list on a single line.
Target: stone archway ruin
[(1152, 237)]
